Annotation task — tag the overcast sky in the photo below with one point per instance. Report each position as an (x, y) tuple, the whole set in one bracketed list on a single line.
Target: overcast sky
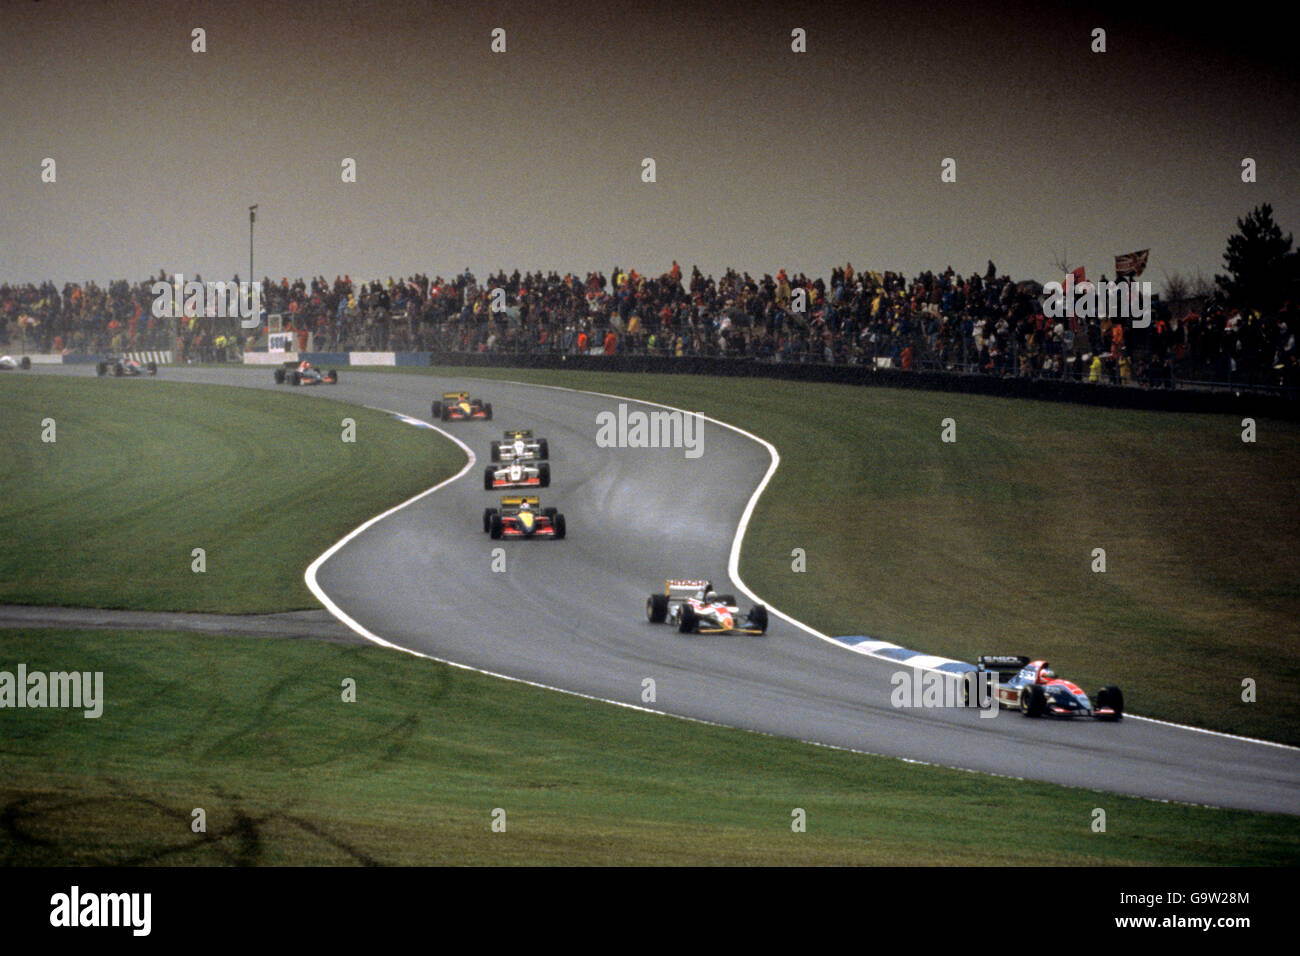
[(531, 158)]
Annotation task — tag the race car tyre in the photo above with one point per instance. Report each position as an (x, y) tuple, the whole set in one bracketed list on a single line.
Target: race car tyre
[(544, 474), (496, 450), (488, 473), (153, 368), (101, 369), (446, 414), (970, 688), (279, 376), (688, 621), (26, 362), (551, 512), (494, 526), (656, 608), (437, 412), (543, 449), (333, 376), (295, 378), (1111, 696), (558, 522), (1032, 701), (487, 519), (758, 617), (118, 370), (487, 410)]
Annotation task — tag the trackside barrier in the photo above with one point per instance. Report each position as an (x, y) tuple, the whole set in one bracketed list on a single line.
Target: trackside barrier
[(1052, 390), (161, 356), (406, 359), (269, 358), (1042, 389), (372, 358), (959, 671)]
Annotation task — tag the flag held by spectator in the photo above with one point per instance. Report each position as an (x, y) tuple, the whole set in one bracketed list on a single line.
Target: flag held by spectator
[(1132, 264)]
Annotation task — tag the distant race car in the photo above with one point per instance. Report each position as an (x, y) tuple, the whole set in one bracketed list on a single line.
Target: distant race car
[(1034, 689), (520, 446), (517, 474), (457, 406), (8, 362), (697, 609), (121, 365), (520, 516), (304, 373)]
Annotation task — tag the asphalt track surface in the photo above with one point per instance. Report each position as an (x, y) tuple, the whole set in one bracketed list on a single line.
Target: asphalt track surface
[(570, 614)]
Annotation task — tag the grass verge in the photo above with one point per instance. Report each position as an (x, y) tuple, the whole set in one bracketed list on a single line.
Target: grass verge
[(988, 544), (255, 733), (141, 473)]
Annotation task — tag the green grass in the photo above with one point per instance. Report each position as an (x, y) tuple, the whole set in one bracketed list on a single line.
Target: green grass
[(985, 545), (142, 473), (255, 733)]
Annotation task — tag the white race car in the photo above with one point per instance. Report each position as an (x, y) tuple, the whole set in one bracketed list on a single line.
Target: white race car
[(517, 474), (120, 365), (520, 446), (8, 362), (697, 609)]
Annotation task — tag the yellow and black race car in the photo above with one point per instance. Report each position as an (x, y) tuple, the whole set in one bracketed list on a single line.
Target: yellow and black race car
[(521, 516), (458, 406)]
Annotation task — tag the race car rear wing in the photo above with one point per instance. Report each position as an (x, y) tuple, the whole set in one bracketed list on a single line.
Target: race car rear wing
[(454, 396), (1001, 662), (683, 588), (524, 433), (514, 501)]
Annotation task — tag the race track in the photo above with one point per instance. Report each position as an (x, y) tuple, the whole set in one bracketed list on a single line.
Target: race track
[(570, 614)]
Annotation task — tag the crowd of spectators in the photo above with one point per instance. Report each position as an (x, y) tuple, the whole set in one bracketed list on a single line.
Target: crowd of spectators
[(985, 323)]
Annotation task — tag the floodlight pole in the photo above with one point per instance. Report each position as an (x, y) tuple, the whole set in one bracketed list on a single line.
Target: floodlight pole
[(252, 218)]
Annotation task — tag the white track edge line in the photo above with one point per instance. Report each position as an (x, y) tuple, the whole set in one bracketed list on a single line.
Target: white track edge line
[(357, 628), (733, 563)]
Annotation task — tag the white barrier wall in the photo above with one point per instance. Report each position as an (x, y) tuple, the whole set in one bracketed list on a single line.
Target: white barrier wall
[(353, 358), (269, 358), (372, 358)]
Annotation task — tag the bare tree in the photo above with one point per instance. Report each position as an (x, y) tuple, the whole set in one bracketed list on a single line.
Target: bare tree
[(1177, 289), (1202, 288)]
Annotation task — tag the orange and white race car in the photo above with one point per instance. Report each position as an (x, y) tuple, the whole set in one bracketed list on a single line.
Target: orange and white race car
[(698, 609), (517, 474)]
